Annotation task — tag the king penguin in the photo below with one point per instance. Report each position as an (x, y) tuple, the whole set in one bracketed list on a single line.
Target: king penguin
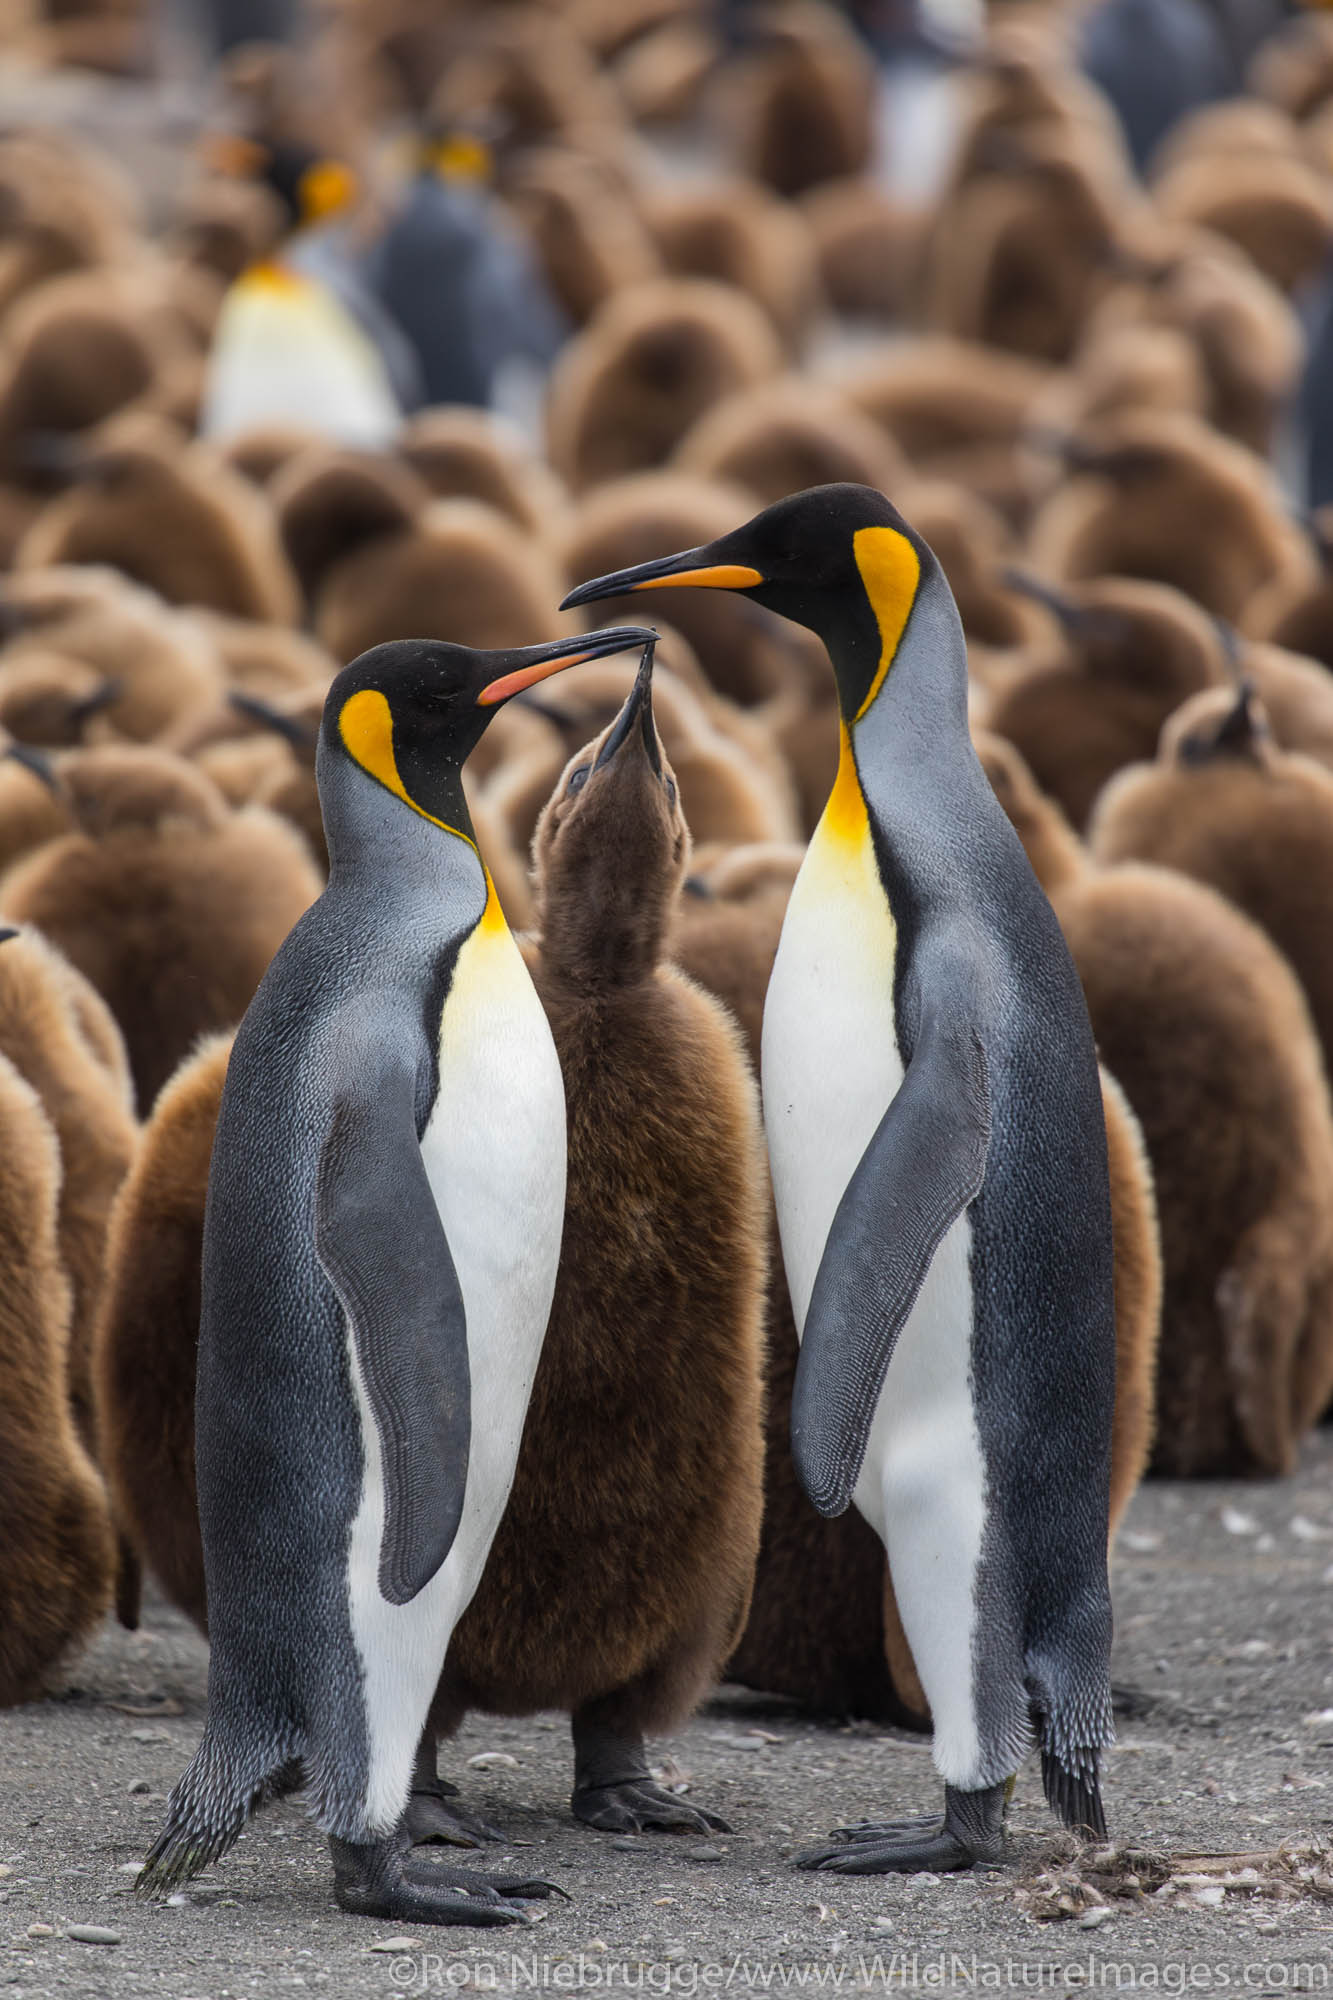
[(381, 1237), (934, 1123)]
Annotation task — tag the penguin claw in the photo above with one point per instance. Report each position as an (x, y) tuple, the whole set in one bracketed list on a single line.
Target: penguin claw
[(376, 1881), (908, 1855), (886, 1829), (637, 1806), (428, 1818)]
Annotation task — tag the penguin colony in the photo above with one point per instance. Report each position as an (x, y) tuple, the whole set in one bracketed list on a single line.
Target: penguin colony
[(252, 502)]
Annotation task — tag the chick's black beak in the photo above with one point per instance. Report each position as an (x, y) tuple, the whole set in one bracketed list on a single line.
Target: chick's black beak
[(509, 673), (637, 712), (692, 568)]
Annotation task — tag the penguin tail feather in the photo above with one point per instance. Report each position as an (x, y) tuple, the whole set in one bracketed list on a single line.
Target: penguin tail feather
[(209, 1805), (1074, 1796)]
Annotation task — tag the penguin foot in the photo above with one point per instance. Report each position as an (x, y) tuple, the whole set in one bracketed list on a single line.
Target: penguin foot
[(637, 1805), (376, 1881), (971, 1831), (428, 1817)]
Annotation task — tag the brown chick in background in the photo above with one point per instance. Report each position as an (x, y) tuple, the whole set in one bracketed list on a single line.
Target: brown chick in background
[(738, 233), (170, 904), (466, 454), (1225, 805), (55, 1582), (780, 437), (625, 390)]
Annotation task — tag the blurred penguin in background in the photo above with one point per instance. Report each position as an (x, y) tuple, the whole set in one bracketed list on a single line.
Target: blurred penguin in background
[(300, 338), (1156, 60), (458, 279)]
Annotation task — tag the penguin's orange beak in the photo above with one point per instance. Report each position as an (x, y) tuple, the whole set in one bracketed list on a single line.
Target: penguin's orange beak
[(531, 664), (691, 570)]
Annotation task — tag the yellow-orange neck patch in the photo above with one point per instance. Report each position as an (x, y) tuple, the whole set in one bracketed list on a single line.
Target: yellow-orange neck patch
[(890, 569), (845, 818), (365, 723)]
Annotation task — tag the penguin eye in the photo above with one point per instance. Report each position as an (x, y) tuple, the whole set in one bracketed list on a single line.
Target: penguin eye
[(577, 780)]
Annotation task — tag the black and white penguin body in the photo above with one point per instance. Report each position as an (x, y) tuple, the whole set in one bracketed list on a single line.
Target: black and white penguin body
[(380, 1246), (935, 1130)]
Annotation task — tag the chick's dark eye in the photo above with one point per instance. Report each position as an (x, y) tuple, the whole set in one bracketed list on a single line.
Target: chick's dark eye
[(577, 780), (671, 791)]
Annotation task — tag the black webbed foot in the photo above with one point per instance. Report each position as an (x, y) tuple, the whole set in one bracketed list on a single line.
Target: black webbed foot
[(637, 1805), (971, 1832), (377, 1880)]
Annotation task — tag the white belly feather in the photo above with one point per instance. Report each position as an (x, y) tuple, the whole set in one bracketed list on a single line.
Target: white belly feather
[(494, 1151), (831, 1068)]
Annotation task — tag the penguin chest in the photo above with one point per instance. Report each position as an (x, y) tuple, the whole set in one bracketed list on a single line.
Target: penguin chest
[(830, 1057), (494, 1152), (286, 350)]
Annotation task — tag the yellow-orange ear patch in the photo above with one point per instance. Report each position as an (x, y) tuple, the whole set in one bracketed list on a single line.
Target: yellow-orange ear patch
[(328, 187), (365, 723), (890, 569)]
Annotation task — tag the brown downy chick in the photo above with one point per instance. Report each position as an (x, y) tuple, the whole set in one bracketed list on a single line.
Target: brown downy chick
[(1226, 806), (1277, 209), (1118, 368), (1128, 653), (1247, 335), (1297, 613), (799, 108), (49, 699), (1294, 67), (780, 437), (260, 451), (161, 664), (379, 559), (660, 75), (266, 660), (1201, 1021), (624, 391), (1297, 695), (737, 232), (55, 1581), (466, 454), (958, 410), (724, 795), (62, 209), (746, 653), (869, 247), (1018, 258), (584, 228), (172, 516), (43, 1036), (1224, 131), (32, 807), (148, 1331), (170, 904), (646, 1405), (1163, 497)]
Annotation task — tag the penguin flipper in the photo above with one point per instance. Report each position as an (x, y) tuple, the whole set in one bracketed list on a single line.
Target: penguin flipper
[(925, 1163), (379, 1237)]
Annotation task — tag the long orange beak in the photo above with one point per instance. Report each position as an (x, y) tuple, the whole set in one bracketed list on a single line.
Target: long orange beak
[(537, 663)]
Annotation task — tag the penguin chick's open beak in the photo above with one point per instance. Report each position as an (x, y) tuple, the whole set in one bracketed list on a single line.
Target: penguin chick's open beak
[(638, 710), (528, 664), (692, 568)]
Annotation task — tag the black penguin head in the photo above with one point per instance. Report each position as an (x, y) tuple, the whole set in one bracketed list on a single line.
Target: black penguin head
[(312, 186), (409, 712), (611, 849), (839, 559)]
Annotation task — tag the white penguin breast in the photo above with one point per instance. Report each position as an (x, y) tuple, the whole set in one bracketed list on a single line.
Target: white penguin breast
[(494, 1152), (830, 1058), (286, 350)]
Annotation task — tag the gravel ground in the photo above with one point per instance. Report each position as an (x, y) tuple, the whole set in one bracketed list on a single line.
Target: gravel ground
[(1224, 1597)]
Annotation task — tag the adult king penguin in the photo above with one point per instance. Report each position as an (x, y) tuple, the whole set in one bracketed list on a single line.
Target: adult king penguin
[(380, 1245), (935, 1130)]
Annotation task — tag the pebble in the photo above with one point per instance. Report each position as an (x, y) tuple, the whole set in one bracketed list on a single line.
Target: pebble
[(730, 1742), (129, 1868), (1212, 1898), (492, 1760), (394, 1944), (1237, 1523), (139, 1785), (1266, 1927), (881, 1923), (149, 1736), (92, 1934), (625, 1843), (924, 1879), (4, 1871), (595, 1944), (177, 1901), (780, 1826), (41, 1930), (705, 1853), (1092, 1920)]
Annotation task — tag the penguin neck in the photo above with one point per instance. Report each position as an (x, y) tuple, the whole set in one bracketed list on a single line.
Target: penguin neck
[(909, 736), (375, 837)]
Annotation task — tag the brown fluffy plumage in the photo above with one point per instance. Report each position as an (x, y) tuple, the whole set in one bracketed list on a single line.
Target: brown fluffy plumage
[(624, 391), (55, 1580), (1162, 496), (1128, 653), (799, 108), (148, 1331), (1277, 209), (737, 232), (780, 437), (168, 902), (869, 247), (623, 1606), (1225, 805), (584, 227), (44, 1035), (466, 454), (170, 515)]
